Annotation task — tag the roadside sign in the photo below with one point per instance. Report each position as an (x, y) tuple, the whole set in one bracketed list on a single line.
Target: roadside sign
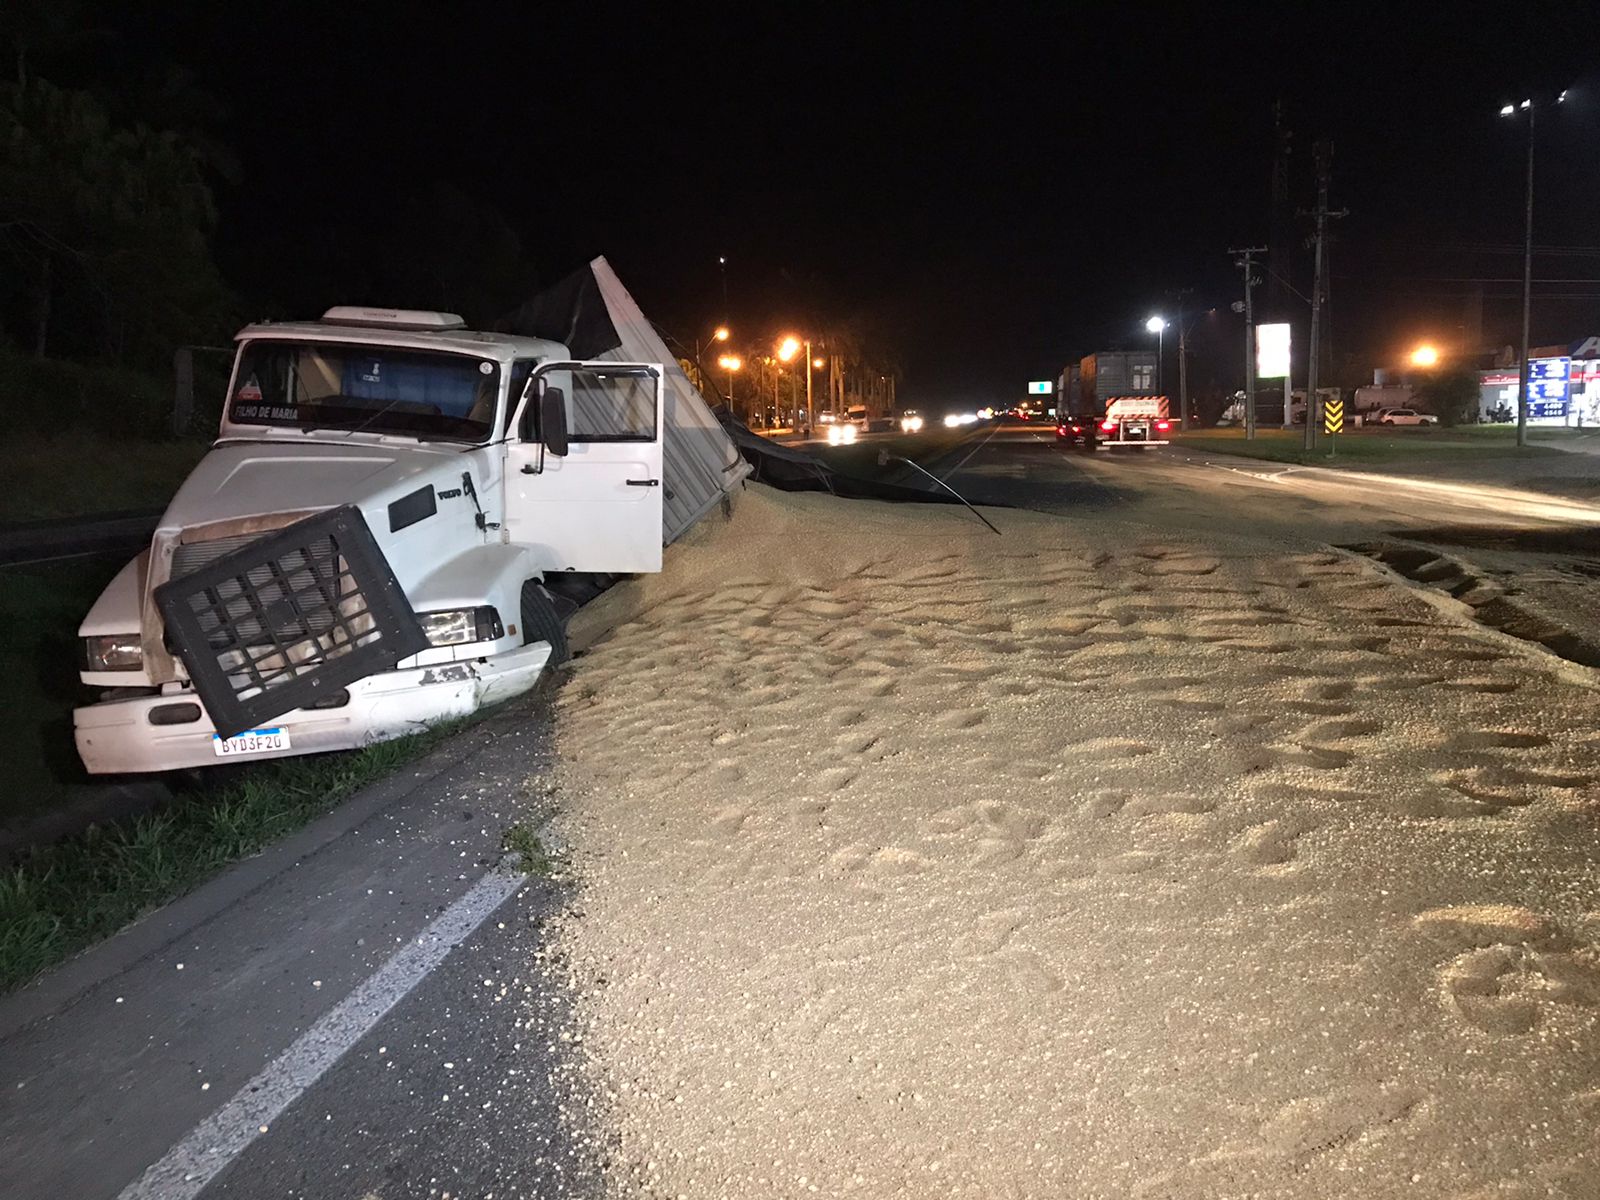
[(1333, 416), (1272, 351), (1040, 387)]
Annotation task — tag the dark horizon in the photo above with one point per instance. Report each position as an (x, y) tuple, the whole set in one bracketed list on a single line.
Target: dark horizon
[(999, 197)]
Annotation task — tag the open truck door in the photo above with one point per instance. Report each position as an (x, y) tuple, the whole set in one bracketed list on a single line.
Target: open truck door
[(584, 478)]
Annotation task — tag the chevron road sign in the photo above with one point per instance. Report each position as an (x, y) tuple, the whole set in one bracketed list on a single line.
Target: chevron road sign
[(1333, 416)]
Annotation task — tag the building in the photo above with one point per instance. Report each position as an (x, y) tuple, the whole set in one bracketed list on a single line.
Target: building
[(1564, 386)]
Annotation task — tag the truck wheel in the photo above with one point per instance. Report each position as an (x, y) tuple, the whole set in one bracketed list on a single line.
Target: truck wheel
[(541, 622)]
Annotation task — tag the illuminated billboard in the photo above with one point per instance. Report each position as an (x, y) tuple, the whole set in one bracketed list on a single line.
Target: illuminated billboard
[(1272, 351), (1041, 387)]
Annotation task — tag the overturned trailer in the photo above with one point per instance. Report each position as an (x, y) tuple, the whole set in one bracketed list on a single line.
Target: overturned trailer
[(370, 545)]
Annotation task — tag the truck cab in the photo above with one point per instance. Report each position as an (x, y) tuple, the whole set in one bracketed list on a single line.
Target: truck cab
[(365, 549)]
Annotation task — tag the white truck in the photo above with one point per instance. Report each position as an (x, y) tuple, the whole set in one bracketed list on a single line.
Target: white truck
[(1135, 421), (363, 552)]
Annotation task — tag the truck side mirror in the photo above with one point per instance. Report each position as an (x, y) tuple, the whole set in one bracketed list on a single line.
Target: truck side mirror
[(553, 421)]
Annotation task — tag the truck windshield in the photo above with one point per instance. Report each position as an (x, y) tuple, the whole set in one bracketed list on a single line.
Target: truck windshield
[(380, 389)]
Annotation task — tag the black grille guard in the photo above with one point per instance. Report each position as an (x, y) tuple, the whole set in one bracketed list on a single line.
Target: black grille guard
[(288, 619)]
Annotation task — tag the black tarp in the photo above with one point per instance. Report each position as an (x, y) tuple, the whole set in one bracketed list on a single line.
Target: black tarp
[(573, 312), (792, 470)]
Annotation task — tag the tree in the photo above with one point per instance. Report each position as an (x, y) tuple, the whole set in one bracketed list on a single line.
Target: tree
[(1452, 395), (110, 224)]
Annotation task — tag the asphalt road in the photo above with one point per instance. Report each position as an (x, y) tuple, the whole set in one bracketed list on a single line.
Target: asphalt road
[(258, 1039), (1023, 466), (367, 1009)]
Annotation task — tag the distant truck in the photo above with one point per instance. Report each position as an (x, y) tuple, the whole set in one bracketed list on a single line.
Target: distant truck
[(371, 546), (1369, 400), (1135, 421), (1127, 421), (1110, 398)]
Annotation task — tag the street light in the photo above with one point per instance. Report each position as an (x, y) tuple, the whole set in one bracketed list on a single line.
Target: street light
[(1158, 326), (1523, 371), (730, 363), (789, 348), (1425, 356)]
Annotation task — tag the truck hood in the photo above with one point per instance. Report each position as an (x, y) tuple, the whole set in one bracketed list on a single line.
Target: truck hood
[(253, 479)]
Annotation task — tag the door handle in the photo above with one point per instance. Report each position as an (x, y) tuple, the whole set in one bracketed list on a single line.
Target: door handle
[(644, 483)]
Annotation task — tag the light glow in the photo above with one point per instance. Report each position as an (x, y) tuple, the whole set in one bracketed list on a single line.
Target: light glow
[(1272, 351), (1425, 356), (1155, 324), (730, 362), (722, 333), (788, 348)]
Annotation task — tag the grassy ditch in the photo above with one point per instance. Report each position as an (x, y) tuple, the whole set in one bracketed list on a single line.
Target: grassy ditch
[(40, 607), (64, 897), (87, 474), (1361, 447)]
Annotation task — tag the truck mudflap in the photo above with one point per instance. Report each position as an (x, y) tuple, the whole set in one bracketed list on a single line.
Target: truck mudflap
[(289, 619)]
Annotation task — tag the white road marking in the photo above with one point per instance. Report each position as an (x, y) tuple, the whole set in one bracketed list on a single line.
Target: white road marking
[(973, 451), (196, 1160)]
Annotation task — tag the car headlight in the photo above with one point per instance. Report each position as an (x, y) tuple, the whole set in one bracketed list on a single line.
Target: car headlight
[(848, 434), (461, 626), (113, 652)]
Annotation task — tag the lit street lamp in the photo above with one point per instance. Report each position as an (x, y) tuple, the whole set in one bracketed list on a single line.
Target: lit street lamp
[(1425, 356), (730, 363), (1158, 326), (719, 334), (788, 348), (1524, 370)]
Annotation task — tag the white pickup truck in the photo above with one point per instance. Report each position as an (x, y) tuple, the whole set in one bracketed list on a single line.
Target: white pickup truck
[(363, 551)]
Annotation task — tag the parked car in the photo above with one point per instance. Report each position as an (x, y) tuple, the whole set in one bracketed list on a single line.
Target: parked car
[(1403, 416)]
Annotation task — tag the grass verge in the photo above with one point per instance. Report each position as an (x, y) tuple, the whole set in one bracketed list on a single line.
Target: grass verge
[(85, 474), (63, 897), (521, 839), (40, 607), (1363, 446)]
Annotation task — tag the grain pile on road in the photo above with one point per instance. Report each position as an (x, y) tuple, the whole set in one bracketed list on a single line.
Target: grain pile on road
[(1082, 861)]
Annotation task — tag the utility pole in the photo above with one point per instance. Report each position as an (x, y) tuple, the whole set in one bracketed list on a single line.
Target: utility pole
[(1181, 295), (1245, 260), (1183, 372), (1324, 155), (1525, 371)]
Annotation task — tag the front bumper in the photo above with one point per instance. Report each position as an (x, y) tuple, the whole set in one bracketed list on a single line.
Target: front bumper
[(116, 737)]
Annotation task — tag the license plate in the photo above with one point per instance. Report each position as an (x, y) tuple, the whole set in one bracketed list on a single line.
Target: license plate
[(252, 741)]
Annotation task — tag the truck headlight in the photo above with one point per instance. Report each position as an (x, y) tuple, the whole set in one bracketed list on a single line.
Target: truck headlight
[(113, 652), (461, 626)]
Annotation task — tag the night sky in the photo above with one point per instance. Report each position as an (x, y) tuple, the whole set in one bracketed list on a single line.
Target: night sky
[(999, 192)]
